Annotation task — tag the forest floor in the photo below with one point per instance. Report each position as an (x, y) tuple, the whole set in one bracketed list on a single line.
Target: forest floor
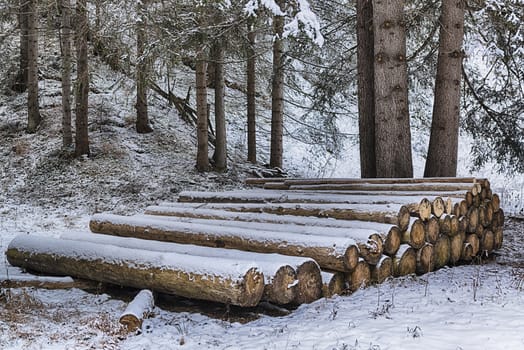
[(43, 190)]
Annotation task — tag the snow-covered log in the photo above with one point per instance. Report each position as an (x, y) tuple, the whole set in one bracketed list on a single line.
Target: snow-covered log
[(220, 280), (335, 253), (44, 282), (395, 214), (425, 261), (368, 240), (137, 310), (415, 234), (288, 279), (405, 261), (333, 283), (475, 188), (382, 270)]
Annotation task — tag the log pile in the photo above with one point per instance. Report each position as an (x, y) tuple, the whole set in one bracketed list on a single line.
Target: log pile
[(287, 241)]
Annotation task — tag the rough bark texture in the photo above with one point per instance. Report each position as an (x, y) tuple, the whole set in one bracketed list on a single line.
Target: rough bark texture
[(366, 93), (443, 142), (251, 94), (82, 81), (142, 71), (65, 41), (277, 92), (202, 163), (20, 84), (33, 112), (48, 255), (220, 154), (392, 128)]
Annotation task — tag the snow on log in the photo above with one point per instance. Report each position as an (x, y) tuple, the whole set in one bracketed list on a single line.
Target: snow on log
[(369, 241), (405, 261), (314, 181), (425, 262), (434, 186), (415, 234), (382, 270), (395, 214), (360, 277), (138, 309), (285, 276), (441, 252), (44, 282), (333, 283), (335, 253), (220, 280)]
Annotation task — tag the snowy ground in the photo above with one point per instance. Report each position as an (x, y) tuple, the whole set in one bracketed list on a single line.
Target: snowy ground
[(43, 190)]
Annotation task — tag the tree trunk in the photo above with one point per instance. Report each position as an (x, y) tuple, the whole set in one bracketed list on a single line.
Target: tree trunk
[(220, 280), (251, 94), (20, 84), (443, 142), (220, 155), (202, 163), (82, 83), (334, 253), (142, 70), (33, 112), (392, 127), (366, 93), (65, 40), (277, 92)]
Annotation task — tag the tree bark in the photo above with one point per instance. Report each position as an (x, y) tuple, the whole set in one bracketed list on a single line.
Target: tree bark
[(20, 84), (82, 83), (142, 70), (190, 278), (65, 41), (251, 94), (202, 163), (220, 154), (33, 112), (443, 142), (392, 126), (366, 92), (277, 92)]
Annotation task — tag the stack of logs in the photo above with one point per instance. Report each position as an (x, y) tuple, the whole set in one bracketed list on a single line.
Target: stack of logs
[(288, 242)]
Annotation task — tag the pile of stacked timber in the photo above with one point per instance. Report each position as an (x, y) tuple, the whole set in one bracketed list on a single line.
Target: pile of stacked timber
[(289, 242)]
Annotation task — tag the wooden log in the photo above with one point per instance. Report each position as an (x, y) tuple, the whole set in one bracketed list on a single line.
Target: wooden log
[(473, 219), (415, 234), (476, 200), (479, 231), (27, 280), (138, 309), (390, 234), (382, 270), (498, 238), (467, 252), (333, 283), (421, 210), (394, 214), (487, 243), (489, 212), (438, 207), (469, 199), (318, 181), (498, 218), (434, 186), (441, 252), (456, 244), (360, 277), (445, 224), (425, 262), (285, 276), (405, 262), (463, 223), (224, 281), (432, 230), (453, 225), (495, 200), (463, 208), (263, 180), (473, 240), (275, 186), (334, 253)]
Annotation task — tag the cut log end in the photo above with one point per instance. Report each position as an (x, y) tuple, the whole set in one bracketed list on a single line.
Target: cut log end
[(282, 289), (405, 262), (438, 207), (392, 241), (359, 277), (441, 252), (425, 261), (382, 270), (309, 286), (333, 284)]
